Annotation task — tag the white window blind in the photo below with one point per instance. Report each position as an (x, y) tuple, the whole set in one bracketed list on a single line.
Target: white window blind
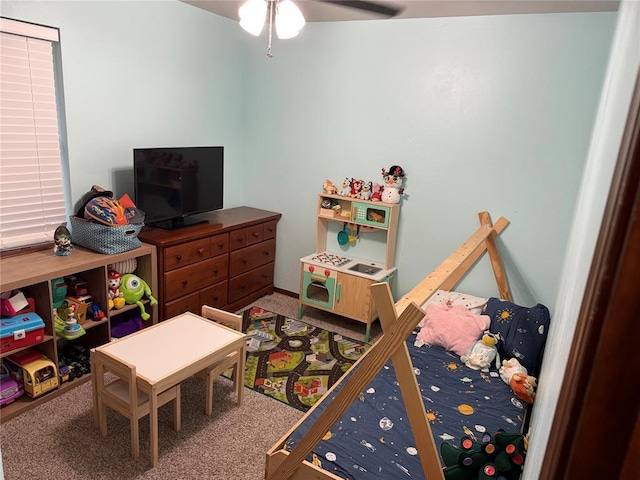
[(32, 203)]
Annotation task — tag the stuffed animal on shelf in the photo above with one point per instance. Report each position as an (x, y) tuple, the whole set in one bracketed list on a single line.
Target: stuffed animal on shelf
[(392, 181), (356, 188), (523, 386), (480, 355), (376, 192), (509, 368), (133, 288), (116, 298), (365, 193), (345, 189), (329, 187)]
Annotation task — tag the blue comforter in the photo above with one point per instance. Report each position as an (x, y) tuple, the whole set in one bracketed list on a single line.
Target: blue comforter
[(373, 439)]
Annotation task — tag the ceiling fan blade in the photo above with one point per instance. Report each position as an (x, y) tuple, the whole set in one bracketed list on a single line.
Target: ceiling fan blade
[(373, 7)]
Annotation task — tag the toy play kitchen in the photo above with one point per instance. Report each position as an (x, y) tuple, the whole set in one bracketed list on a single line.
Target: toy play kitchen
[(339, 282)]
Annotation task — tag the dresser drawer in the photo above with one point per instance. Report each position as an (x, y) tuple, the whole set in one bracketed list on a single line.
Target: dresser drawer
[(248, 258), (214, 296), (269, 230), (245, 284), (250, 235), (186, 280), (189, 303), (186, 254), (219, 244)]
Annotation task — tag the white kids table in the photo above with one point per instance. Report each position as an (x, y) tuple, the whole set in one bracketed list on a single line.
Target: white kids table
[(168, 353)]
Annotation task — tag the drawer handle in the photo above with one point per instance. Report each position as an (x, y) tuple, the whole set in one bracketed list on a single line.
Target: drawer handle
[(240, 239), (244, 261), (255, 234), (265, 252), (242, 287), (200, 251), (270, 230), (215, 271), (215, 299), (185, 282), (179, 257), (265, 276), (221, 246)]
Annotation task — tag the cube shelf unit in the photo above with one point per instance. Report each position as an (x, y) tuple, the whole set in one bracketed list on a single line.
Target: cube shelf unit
[(31, 273)]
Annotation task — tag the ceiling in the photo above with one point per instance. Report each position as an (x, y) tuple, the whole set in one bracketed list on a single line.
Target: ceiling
[(324, 11)]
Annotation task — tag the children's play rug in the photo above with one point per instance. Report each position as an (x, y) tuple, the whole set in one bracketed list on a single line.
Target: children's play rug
[(292, 361)]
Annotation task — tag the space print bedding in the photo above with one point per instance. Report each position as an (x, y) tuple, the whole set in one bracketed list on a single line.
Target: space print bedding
[(373, 439), (360, 429)]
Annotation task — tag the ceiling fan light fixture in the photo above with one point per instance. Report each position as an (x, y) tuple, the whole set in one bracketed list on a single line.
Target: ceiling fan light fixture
[(289, 19), (253, 14)]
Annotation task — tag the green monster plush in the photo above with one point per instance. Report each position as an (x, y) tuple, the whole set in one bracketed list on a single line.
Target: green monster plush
[(133, 289)]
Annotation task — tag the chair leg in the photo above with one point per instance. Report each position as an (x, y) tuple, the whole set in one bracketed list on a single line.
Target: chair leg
[(177, 410), (209, 407), (135, 439)]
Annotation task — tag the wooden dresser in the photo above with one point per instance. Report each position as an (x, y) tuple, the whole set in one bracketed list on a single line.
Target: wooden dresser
[(227, 262)]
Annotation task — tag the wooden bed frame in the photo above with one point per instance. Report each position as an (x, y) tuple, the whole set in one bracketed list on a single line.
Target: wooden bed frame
[(398, 321)]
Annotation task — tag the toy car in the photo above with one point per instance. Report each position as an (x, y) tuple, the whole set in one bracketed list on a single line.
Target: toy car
[(10, 389), (64, 372)]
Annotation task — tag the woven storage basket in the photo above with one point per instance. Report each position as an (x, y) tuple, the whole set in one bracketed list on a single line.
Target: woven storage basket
[(103, 238)]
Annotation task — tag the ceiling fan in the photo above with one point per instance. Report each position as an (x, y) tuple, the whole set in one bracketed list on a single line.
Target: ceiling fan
[(288, 18), (380, 8)]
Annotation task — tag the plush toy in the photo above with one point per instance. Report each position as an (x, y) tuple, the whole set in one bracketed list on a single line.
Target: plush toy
[(392, 184), (329, 187), (345, 190), (376, 192), (116, 298), (365, 194), (509, 368), (499, 456), (133, 288), (523, 386), (356, 188), (480, 355)]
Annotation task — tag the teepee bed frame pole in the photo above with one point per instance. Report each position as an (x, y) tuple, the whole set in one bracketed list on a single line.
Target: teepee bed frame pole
[(398, 321)]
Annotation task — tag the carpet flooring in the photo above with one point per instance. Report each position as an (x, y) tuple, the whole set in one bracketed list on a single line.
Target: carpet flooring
[(293, 361), (57, 440)]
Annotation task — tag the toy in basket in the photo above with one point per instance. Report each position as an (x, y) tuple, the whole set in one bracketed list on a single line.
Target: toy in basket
[(107, 225)]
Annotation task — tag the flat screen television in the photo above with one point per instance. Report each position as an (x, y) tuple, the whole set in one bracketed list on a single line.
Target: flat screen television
[(173, 185)]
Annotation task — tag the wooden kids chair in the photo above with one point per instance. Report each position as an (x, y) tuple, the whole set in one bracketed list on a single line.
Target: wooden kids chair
[(230, 320), (124, 397)]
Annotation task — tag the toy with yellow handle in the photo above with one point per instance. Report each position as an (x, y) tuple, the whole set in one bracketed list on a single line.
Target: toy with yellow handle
[(133, 289)]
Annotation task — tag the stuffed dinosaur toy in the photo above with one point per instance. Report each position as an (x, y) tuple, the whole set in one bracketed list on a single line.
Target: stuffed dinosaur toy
[(133, 288), (500, 456)]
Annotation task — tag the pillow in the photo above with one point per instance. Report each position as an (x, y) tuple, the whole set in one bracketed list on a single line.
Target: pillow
[(452, 327), (522, 331), (471, 303)]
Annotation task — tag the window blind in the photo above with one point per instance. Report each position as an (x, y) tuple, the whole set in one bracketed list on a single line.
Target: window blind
[(32, 203)]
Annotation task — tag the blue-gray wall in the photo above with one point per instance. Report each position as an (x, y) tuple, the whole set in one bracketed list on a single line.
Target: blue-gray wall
[(483, 113)]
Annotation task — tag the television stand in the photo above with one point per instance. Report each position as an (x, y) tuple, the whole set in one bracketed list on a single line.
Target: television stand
[(175, 223)]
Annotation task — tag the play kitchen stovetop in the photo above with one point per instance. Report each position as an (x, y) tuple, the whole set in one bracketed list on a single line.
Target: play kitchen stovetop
[(333, 261), (330, 259)]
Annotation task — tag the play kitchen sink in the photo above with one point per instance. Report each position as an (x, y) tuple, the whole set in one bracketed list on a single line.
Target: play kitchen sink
[(366, 268)]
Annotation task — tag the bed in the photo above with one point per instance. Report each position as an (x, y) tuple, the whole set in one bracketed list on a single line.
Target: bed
[(387, 418)]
